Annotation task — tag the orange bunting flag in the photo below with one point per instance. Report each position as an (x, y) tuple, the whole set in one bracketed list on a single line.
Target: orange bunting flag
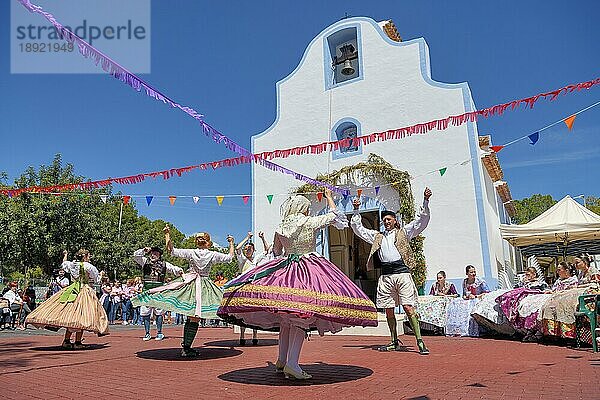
[(359, 192), (126, 199), (270, 198), (569, 121), (496, 148), (220, 199), (172, 199), (245, 198)]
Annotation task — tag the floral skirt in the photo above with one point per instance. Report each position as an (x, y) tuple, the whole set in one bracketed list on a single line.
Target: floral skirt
[(305, 291), (460, 322), (488, 313), (83, 311)]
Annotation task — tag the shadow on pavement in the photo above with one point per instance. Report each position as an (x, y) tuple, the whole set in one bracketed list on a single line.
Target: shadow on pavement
[(88, 347), (174, 354), (323, 374), (236, 343)]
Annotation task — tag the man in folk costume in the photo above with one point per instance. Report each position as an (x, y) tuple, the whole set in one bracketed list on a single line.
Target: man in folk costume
[(391, 252), (154, 271)]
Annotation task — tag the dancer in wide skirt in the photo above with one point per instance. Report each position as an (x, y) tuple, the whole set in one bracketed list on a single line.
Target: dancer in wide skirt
[(75, 307), (299, 290), (194, 294)]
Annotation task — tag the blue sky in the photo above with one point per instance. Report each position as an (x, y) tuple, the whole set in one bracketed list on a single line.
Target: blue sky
[(224, 58)]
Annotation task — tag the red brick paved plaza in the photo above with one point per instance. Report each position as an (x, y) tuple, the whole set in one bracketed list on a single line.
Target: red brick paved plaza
[(122, 366)]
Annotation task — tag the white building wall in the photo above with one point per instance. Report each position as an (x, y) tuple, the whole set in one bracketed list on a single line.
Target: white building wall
[(396, 91)]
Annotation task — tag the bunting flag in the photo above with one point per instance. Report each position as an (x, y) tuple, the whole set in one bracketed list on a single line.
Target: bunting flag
[(345, 196), (270, 198), (246, 198), (377, 190), (442, 171), (496, 148), (103, 197), (129, 78), (359, 192), (319, 196), (534, 137), (220, 199), (196, 198), (172, 199), (149, 199), (119, 72), (569, 121), (126, 199)]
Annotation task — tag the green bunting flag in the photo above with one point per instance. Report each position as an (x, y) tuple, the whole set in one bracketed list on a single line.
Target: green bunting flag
[(270, 198), (442, 171)]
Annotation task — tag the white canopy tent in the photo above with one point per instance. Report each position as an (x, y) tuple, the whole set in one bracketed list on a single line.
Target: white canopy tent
[(565, 226)]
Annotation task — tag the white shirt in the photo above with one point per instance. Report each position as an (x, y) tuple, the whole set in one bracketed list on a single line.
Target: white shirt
[(388, 251), (246, 264), (62, 282), (12, 297), (72, 267), (200, 260)]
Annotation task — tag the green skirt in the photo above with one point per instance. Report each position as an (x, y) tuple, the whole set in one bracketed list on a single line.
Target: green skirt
[(183, 300)]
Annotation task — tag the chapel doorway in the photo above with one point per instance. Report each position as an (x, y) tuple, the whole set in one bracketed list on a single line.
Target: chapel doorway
[(350, 253)]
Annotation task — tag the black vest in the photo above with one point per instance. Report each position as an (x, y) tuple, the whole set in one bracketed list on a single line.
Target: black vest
[(154, 272)]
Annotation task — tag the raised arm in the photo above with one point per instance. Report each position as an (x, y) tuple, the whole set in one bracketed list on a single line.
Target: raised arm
[(174, 269), (138, 256), (418, 225), (368, 235), (266, 245), (168, 243), (243, 242)]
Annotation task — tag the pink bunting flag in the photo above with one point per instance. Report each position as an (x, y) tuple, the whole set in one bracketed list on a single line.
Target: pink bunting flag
[(245, 198)]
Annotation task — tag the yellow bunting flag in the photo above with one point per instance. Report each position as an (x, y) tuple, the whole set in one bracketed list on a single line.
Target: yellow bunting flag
[(270, 198), (220, 199), (569, 121), (172, 199)]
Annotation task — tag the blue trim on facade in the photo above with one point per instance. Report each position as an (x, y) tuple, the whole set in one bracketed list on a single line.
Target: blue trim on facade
[(337, 154)]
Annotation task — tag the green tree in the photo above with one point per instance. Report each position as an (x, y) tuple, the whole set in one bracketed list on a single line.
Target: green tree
[(531, 207), (593, 204)]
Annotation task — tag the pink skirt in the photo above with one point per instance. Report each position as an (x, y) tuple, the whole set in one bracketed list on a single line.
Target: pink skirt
[(309, 292)]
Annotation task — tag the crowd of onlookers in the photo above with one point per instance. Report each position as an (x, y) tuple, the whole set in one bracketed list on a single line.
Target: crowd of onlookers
[(15, 304)]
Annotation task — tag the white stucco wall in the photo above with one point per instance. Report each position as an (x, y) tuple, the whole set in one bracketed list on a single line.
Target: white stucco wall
[(396, 91)]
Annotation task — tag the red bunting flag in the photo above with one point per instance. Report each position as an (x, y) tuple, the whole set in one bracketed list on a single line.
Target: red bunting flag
[(569, 121), (172, 199), (496, 148), (126, 199), (245, 198), (319, 196)]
